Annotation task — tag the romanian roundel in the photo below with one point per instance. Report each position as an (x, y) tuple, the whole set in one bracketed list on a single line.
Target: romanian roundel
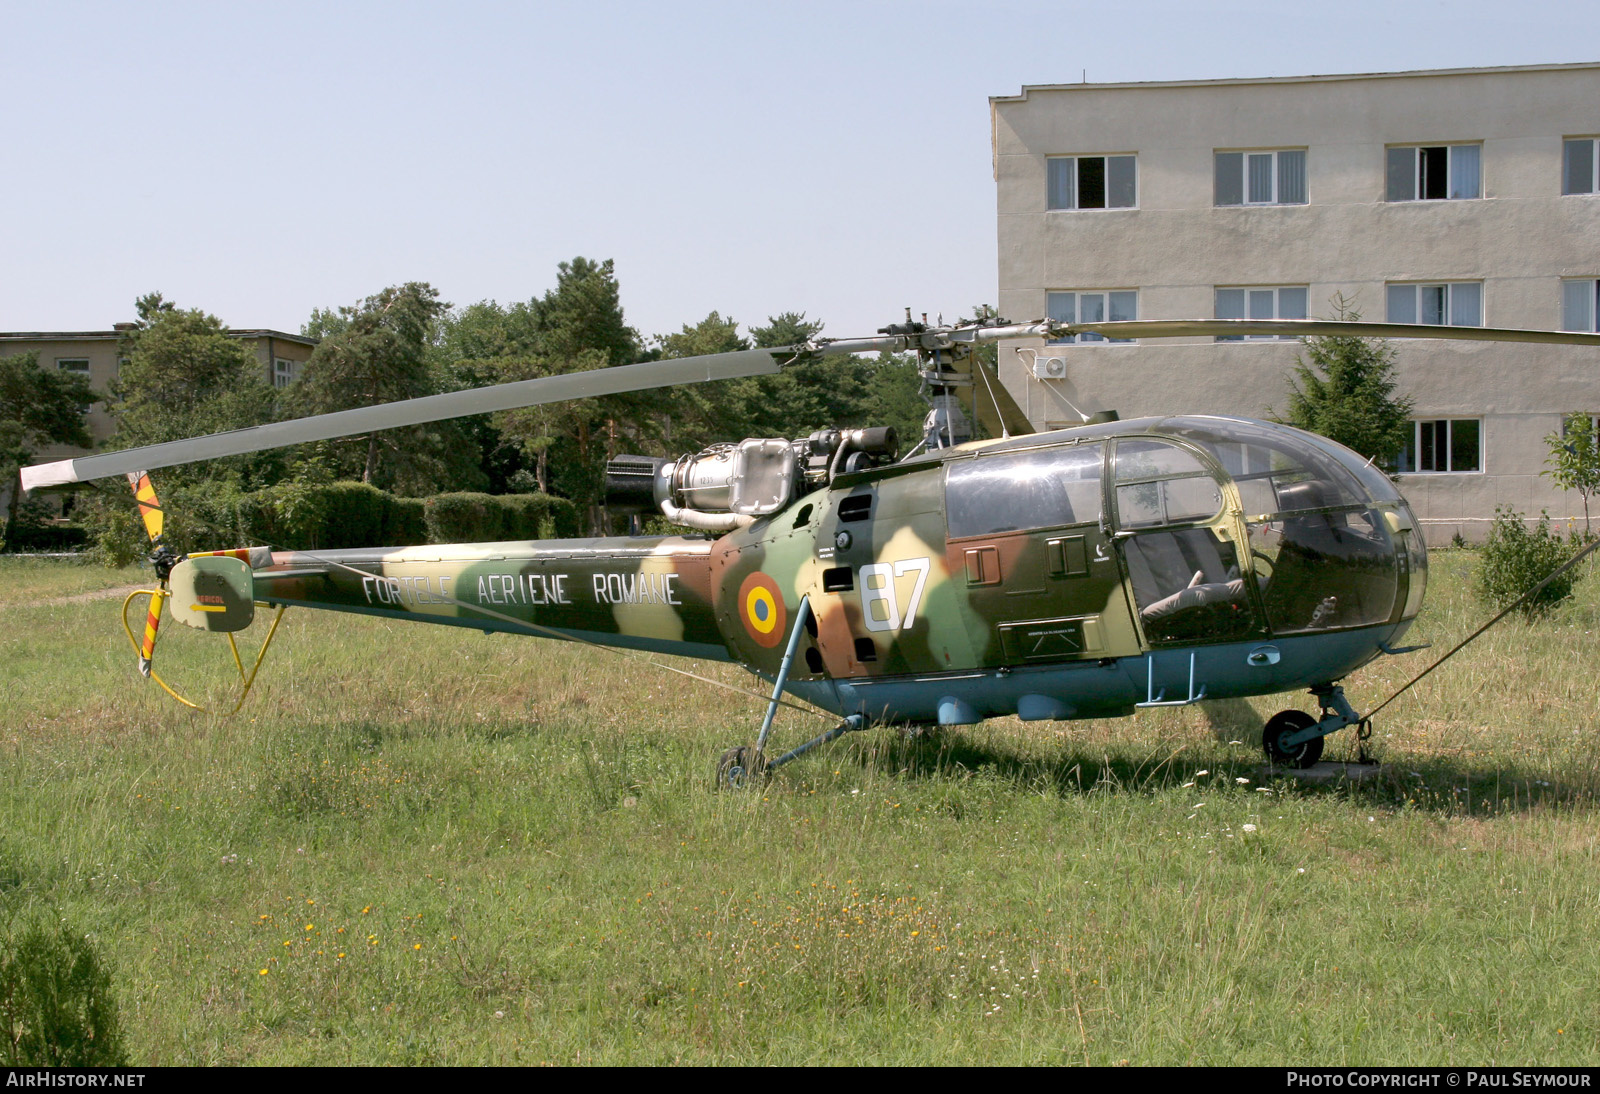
[(761, 609)]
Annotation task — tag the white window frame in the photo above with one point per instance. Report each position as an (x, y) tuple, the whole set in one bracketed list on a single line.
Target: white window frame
[(1069, 201), (1411, 453), (1450, 290), (1259, 298), (1056, 306), (1274, 178), (1580, 304), (1568, 147), (282, 372), (1416, 174)]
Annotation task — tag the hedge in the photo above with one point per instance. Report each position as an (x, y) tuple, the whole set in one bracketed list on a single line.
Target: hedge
[(325, 517), (469, 517)]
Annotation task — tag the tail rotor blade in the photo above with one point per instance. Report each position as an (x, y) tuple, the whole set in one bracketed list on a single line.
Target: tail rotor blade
[(149, 506), (152, 623)]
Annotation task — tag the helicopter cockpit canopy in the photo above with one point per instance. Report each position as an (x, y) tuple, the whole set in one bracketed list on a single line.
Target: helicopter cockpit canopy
[(1332, 544), (1226, 528)]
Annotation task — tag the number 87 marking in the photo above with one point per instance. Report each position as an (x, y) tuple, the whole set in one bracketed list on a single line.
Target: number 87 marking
[(880, 606)]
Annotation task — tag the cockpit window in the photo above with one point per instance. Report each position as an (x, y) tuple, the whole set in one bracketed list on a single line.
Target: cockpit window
[(1321, 571), (1160, 483), (1036, 488), (1280, 470)]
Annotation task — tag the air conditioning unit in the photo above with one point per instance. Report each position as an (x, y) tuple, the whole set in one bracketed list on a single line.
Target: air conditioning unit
[(1050, 368)]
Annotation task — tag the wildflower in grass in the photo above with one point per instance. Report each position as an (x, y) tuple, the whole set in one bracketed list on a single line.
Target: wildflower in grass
[(1249, 828), (263, 972)]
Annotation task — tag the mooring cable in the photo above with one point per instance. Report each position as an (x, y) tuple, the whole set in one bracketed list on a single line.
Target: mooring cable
[(1524, 598)]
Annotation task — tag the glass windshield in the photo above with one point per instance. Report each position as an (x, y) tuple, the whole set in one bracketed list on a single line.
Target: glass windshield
[(1276, 468), (1320, 571)]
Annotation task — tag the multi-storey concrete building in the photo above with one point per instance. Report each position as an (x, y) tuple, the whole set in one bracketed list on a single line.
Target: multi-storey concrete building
[(1465, 197)]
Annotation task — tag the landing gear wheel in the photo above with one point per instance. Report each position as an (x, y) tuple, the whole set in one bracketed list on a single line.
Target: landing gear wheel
[(1280, 727), (740, 767)]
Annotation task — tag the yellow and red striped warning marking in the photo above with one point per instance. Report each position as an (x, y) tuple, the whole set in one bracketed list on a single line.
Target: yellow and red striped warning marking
[(149, 506)]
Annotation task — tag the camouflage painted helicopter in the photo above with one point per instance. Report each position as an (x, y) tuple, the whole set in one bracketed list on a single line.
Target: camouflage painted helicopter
[(1086, 572)]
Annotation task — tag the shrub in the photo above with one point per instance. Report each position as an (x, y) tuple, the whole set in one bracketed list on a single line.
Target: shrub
[(485, 518), (1514, 559), (405, 522), (319, 516), (465, 517), (56, 1004), (539, 516)]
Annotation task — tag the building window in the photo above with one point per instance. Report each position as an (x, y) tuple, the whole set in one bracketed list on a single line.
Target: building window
[(1092, 182), (1092, 306), (1580, 305), (1441, 445), (79, 366), (1261, 178), (282, 372), (1286, 302), (1580, 168), (1451, 304), (1434, 173)]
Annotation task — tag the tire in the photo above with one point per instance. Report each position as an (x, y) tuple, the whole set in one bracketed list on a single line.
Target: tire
[(1280, 727)]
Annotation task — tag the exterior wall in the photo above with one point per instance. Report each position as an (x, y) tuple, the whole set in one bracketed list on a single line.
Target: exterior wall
[(1520, 238)]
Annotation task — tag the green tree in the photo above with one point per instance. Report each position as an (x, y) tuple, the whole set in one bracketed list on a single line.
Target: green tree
[(576, 326), (1347, 393), (379, 351), (583, 312), (37, 408), (183, 375), (1575, 460)]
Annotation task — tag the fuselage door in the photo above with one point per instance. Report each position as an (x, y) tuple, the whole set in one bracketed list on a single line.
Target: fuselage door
[(1179, 546), (1026, 538)]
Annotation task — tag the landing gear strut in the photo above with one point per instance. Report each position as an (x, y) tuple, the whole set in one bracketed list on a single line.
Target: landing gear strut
[(740, 766), (1293, 738)]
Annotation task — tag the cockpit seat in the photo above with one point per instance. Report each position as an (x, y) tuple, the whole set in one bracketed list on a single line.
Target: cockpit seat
[(1177, 570)]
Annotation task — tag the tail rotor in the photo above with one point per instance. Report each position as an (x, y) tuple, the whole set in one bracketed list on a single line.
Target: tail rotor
[(150, 511)]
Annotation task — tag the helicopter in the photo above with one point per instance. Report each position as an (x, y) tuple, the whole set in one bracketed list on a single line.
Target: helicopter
[(1085, 572)]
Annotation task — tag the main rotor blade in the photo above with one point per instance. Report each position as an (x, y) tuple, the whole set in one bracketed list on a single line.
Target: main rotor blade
[(429, 408), (1300, 328)]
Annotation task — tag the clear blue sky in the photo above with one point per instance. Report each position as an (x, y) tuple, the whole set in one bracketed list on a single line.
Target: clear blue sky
[(751, 158)]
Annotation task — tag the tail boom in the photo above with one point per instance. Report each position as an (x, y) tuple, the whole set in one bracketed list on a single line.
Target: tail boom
[(649, 593)]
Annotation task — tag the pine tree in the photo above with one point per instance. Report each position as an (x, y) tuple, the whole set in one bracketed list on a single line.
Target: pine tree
[(1346, 392)]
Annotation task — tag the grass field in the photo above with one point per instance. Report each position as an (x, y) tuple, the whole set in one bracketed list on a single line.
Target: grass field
[(425, 845)]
